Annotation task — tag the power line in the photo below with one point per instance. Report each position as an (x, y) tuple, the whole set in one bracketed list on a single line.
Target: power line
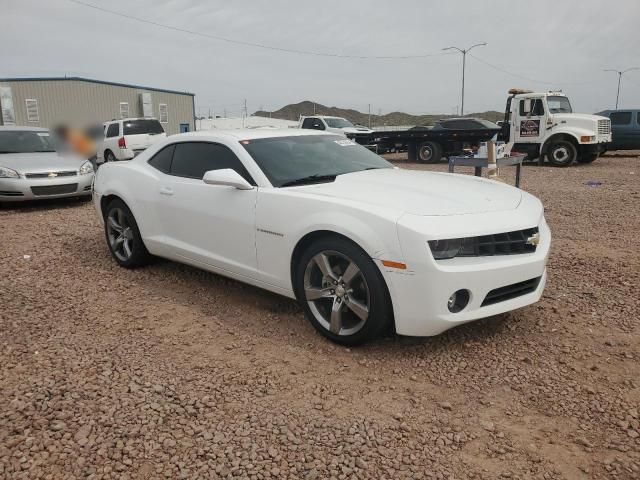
[(499, 69), (255, 45)]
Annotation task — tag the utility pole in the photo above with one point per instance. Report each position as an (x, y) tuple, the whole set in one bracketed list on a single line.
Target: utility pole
[(464, 61), (369, 115), (620, 73), (314, 108), (244, 115)]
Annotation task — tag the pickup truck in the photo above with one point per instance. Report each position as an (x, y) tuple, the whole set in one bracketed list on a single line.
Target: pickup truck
[(337, 125), (625, 129)]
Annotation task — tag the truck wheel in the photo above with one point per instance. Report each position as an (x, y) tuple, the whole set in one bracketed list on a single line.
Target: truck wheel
[(588, 158), (412, 151), (429, 152), (562, 153)]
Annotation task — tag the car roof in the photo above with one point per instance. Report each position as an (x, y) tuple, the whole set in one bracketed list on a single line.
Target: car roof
[(251, 134), (115, 120), (16, 128)]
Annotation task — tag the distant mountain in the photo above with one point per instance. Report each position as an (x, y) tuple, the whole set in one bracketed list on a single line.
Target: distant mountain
[(294, 110)]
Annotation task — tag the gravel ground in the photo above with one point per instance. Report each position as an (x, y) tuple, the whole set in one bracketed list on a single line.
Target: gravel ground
[(170, 372)]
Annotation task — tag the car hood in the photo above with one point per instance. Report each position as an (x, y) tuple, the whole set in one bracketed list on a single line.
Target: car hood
[(356, 130), (38, 162), (577, 116), (421, 193)]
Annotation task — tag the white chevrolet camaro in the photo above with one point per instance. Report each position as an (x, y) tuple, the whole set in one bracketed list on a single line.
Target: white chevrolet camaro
[(362, 245)]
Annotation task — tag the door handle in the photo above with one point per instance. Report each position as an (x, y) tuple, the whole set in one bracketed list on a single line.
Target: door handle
[(166, 191)]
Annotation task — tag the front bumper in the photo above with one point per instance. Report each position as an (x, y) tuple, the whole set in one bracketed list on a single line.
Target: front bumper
[(24, 189), (420, 293)]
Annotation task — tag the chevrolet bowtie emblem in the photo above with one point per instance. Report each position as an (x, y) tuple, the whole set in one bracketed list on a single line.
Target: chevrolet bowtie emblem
[(52, 174), (533, 239)]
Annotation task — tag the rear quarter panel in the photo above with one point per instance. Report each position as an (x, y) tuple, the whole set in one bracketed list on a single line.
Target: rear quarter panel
[(136, 185)]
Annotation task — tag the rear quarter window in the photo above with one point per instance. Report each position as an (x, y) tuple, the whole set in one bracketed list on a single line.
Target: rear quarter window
[(143, 126), (162, 160)]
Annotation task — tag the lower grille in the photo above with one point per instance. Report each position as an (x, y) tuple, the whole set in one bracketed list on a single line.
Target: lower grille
[(511, 291), (54, 189), (87, 188), (8, 193), (68, 173)]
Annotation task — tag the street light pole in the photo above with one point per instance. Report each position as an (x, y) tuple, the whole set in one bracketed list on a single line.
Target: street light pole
[(464, 62), (620, 73)]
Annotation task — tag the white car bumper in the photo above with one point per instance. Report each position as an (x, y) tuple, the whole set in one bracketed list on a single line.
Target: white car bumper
[(496, 284)]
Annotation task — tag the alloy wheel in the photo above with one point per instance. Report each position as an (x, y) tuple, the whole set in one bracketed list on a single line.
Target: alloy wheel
[(337, 293), (120, 234)]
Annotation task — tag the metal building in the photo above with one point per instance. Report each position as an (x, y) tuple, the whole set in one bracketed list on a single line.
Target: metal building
[(82, 102)]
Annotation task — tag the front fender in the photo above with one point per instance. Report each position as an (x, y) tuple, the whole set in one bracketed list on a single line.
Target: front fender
[(574, 133), (282, 221)]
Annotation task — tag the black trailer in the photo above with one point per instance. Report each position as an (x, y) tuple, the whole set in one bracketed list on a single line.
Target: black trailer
[(429, 145)]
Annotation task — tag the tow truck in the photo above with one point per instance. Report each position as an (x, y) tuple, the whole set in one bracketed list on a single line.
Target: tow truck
[(541, 125)]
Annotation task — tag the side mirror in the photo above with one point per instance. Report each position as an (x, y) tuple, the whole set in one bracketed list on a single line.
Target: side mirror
[(226, 177)]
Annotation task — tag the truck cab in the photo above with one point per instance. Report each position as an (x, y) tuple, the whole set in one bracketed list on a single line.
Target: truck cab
[(336, 125), (543, 125)]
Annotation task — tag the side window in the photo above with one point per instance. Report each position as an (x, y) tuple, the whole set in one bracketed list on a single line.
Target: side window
[(638, 118), (620, 118), (308, 123), (537, 109), (193, 159), (162, 159), (113, 130)]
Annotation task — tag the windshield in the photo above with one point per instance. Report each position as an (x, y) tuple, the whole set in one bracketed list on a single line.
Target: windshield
[(338, 123), (559, 104), (26, 141), (287, 159), (137, 127)]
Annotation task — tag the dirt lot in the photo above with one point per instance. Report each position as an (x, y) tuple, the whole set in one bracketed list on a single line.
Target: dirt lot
[(170, 372)]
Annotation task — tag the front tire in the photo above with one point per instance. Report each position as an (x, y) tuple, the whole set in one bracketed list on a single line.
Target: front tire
[(342, 291), (429, 152), (562, 153), (588, 158), (123, 236)]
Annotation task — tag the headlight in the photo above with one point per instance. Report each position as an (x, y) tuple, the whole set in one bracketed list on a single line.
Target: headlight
[(86, 168), (8, 173), (443, 249)]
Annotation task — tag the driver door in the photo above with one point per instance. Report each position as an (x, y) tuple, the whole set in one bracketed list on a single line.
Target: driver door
[(208, 224), (530, 122)]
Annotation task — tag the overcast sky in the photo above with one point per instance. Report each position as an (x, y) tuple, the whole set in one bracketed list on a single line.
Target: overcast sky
[(544, 44)]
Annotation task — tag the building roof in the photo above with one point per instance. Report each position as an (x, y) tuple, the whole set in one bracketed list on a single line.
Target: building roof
[(90, 80)]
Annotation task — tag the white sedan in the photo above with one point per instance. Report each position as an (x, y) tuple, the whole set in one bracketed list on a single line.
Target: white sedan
[(362, 245)]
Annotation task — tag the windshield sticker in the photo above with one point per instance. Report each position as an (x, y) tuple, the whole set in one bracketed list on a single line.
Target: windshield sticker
[(345, 143), (42, 134)]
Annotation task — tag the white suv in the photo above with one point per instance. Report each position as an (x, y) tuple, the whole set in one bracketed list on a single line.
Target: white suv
[(126, 138)]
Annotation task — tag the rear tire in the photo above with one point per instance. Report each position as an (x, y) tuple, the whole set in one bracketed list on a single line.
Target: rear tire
[(342, 291), (562, 153), (123, 236), (109, 156), (429, 152)]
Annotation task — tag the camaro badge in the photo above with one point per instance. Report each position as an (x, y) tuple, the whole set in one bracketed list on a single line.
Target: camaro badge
[(52, 174), (533, 239)]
